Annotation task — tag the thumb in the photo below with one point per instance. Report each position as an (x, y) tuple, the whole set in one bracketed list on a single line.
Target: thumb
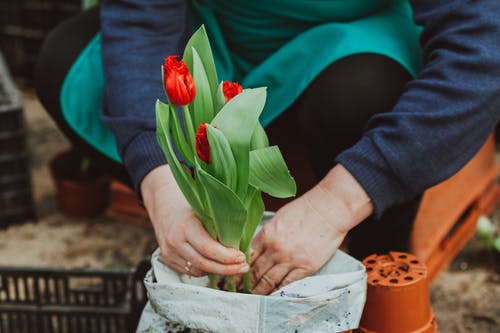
[(257, 247)]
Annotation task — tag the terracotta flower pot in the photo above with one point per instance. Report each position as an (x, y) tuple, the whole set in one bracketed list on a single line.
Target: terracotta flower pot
[(124, 206), (398, 296), (78, 195)]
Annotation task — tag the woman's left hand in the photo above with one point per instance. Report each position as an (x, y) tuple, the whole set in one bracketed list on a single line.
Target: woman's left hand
[(304, 234)]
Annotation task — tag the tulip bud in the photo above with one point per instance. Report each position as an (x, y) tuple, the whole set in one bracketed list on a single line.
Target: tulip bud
[(202, 145), (231, 89), (179, 83)]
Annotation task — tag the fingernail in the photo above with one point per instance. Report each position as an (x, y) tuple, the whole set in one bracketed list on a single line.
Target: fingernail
[(244, 269), (241, 257)]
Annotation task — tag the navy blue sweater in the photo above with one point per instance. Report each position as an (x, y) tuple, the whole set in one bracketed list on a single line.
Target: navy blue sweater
[(441, 120)]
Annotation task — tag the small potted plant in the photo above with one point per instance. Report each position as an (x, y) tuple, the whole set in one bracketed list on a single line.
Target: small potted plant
[(81, 186)]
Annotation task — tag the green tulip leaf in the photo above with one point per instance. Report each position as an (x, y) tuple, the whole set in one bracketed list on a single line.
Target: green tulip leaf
[(220, 99), (237, 120), (182, 177), (259, 138), (202, 106), (223, 165), (255, 211), (199, 41), (269, 173), (179, 138), (226, 209)]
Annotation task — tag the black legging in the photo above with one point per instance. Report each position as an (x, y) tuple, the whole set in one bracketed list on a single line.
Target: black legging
[(332, 114), (58, 53)]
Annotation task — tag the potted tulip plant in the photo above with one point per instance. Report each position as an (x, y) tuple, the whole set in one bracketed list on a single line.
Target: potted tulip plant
[(226, 147), (222, 164)]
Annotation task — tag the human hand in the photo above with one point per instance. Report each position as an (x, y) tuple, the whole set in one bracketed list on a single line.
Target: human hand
[(184, 244), (304, 234)]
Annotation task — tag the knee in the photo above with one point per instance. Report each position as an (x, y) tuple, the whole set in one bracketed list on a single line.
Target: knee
[(349, 91), (60, 49)]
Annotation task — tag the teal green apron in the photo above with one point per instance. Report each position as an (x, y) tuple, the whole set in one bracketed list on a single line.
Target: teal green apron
[(280, 44)]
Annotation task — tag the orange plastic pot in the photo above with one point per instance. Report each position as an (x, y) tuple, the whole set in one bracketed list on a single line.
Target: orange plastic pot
[(124, 206), (85, 197), (397, 296)]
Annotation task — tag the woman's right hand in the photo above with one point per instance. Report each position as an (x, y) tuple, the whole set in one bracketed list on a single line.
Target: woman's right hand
[(184, 244)]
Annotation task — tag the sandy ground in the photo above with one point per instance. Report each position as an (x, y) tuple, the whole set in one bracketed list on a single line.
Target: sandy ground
[(56, 240), (465, 298)]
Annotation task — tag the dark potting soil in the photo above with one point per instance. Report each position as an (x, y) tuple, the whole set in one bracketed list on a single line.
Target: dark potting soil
[(177, 328), (68, 166)]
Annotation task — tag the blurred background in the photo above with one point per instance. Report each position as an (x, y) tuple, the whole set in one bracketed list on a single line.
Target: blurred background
[(99, 260)]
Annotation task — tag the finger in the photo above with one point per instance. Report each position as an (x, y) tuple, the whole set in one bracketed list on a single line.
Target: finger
[(186, 267), (257, 247), (177, 263), (271, 280), (254, 254), (181, 265), (292, 276), (260, 266), (210, 266), (201, 241)]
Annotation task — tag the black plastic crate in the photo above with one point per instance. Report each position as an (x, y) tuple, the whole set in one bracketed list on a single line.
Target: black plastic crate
[(12, 142), (15, 205), (12, 163), (23, 26), (16, 202), (71, 300), (11, 119), (14, 182)]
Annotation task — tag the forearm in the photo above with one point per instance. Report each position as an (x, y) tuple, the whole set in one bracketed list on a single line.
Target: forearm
[(340, 199), (136, 36), (444, 115)]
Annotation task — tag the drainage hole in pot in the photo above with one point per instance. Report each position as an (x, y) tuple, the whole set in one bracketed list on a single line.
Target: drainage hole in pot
[(414, 261), (371, 261), (408, 278), (402, 256), (369, 269), (393, 280), (375, 281)]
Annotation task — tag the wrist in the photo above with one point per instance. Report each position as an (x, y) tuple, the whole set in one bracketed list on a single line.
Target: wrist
[(156, 181), (142, 155), (345, 198)]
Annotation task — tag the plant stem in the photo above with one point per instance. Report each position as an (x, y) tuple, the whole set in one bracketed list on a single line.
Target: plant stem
[(213, 279), (231, 283), (179, 137), (84, 165), (190, 130), (247, 277)]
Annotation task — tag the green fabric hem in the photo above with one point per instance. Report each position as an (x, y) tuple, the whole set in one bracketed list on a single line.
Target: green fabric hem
[(290, 69), (81, 99)]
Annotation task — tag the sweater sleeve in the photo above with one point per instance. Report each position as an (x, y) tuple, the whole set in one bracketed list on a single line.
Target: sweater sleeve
[(136, 36), (444, 115)]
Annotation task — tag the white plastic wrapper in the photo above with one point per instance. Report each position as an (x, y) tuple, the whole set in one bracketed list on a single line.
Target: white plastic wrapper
[(330, 301)]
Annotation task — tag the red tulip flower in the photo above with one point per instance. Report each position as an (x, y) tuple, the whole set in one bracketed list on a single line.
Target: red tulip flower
[(202, 145), (179, 83), (231, 89)]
